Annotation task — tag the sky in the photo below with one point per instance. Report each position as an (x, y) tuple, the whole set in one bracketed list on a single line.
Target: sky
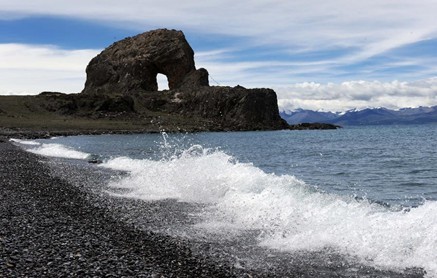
[(331, 55)]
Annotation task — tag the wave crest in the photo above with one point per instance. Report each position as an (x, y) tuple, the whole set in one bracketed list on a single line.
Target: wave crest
[(289, 214)]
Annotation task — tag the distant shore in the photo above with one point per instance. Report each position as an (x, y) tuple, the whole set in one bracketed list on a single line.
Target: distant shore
[(27, 133), (24, 133)]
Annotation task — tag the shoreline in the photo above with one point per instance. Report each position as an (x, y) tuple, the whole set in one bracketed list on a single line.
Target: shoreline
[(8, 133), (22, 133), (51, 226)]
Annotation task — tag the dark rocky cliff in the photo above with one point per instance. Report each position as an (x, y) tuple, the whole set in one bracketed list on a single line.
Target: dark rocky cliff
[(133, 63), (121, 95), (124, 75), (233, 108)]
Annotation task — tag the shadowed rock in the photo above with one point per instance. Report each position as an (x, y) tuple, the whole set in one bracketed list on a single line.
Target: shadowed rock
[(233, 108), (125, 75), (121, 92), (133, 63), (311, 126)]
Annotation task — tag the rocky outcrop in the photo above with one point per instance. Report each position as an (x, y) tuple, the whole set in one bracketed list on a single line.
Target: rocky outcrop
[(232, 108), (122, 78), (313, 126), (195, 79), (133, 63)]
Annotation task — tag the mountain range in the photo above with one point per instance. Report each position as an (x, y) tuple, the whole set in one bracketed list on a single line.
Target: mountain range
[(369, 116)]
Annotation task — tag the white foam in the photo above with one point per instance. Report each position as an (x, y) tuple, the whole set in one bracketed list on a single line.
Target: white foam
[(289, 214), (25, 142), (58, 150), (185, 178)]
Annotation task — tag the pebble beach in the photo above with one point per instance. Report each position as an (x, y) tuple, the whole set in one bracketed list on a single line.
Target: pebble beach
[(50, 229), (54, 224)]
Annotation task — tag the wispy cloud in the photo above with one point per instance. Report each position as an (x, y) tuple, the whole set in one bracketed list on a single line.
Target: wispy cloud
[(30, 69), (371, 27), (44, 57), (308, 50)]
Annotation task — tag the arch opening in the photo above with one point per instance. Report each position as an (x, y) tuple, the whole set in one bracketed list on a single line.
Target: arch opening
[(162, 81)]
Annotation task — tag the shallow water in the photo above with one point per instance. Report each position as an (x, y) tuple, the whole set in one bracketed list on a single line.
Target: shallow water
[(369, 192)]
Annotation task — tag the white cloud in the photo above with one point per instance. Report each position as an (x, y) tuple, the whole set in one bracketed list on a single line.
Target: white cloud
[(31, 69), (360, 29), (319, 96), (369, 27), (358, 94), (251, 74)]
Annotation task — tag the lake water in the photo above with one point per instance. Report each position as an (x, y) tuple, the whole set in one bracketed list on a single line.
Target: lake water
[(369, 192)]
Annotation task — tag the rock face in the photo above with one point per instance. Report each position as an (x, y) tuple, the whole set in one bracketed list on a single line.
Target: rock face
[(233, 108), (312, 126), (124, 74), (133, 63)]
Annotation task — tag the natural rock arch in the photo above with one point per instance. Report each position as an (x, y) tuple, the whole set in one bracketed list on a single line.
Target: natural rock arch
[(133, 64), (162, 82), (122, 78)]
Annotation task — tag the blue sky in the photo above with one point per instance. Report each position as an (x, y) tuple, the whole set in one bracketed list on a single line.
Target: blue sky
[(328, 55)]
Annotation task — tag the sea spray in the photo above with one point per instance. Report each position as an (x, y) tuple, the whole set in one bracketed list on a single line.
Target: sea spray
[(25, 142), (285, 212), (51, 149), (182, 176), (288, 214)]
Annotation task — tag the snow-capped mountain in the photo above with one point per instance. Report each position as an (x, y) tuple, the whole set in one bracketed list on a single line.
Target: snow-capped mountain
[(369, 116)]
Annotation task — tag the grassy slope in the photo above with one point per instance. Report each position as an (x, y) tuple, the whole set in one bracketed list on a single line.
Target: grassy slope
[(24, 114)]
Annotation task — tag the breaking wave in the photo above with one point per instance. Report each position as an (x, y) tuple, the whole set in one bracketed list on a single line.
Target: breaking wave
[(51, 149), (289, 214)]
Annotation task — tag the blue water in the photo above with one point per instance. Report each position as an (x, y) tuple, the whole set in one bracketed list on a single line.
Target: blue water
[(370, 192), (394, 165)]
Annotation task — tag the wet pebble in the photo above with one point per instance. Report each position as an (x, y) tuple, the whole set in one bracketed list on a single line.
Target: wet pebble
[(50, 228)]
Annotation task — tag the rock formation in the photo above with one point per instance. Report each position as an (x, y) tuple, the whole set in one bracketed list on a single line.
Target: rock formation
[(133, 63), (125, 73), (234, 108), (312, 126)]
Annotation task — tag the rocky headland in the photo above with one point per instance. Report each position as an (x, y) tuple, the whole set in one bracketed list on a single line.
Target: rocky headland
[(312, 126), (121, 94)]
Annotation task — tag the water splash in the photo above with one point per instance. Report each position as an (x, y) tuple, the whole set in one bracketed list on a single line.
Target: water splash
[(289, 214), (51, 149)]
